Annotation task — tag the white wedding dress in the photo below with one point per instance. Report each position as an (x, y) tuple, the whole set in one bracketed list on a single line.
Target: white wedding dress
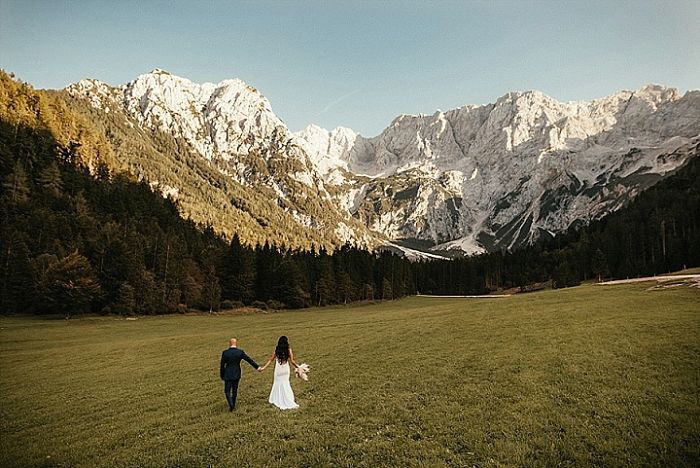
[(281, 394)]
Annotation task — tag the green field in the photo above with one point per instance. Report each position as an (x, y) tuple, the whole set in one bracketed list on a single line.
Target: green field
[(588, 376)]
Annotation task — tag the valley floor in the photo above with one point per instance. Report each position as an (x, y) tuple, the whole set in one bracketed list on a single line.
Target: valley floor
[(587, 376)]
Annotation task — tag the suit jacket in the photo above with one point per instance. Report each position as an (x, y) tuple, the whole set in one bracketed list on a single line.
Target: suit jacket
[(231, 363)]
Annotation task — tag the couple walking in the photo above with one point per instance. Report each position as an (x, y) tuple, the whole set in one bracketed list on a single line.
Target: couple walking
[(281, 394)]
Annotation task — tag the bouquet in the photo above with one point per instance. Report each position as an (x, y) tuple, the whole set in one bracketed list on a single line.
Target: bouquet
[(302, 371)]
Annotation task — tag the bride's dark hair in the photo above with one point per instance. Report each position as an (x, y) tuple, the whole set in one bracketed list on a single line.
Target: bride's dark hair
[(282, 349)]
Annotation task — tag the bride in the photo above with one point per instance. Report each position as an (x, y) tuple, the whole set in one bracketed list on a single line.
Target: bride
[(281, 394)]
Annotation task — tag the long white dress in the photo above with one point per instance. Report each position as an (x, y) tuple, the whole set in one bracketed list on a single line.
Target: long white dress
[(281, 394)]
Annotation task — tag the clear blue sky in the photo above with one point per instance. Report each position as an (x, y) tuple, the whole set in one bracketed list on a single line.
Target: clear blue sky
[(360, 64)]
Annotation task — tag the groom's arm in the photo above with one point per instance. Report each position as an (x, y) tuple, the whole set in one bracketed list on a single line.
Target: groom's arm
[(250, 361), (222, 367)]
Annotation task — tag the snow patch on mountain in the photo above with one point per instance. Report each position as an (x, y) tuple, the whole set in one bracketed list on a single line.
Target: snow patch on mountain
[(415, 255)]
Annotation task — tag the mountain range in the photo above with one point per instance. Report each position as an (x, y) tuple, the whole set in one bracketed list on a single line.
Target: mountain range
[(472, 179)]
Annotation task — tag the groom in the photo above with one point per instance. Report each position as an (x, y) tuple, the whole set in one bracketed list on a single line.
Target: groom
[(230, 371)]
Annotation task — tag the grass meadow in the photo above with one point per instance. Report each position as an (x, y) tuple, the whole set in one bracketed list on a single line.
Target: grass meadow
[(588, 376)]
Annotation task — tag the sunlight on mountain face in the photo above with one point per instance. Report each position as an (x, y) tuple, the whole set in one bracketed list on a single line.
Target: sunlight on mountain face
[(473, 178)]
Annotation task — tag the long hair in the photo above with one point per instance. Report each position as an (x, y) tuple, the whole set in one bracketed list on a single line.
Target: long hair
[(282, 349)]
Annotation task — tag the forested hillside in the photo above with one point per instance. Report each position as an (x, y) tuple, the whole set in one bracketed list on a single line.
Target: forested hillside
[(203, 193), (77, 236), (224, 156)]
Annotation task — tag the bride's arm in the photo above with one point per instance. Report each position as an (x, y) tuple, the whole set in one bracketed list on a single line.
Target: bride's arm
[(268, 361), (291, 358)]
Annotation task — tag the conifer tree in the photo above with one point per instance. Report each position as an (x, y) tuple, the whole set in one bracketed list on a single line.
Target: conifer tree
[(238, 272), (211, 292), (125, 302), (69, 285), (288, 285), (599, 265), (325, 285), (387, 293), (16, 186), (16, 282), (50, 180)]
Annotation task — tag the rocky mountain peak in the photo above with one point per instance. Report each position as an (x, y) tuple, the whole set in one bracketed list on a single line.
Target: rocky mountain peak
[(477, 177), (658, 93), (159, 71)]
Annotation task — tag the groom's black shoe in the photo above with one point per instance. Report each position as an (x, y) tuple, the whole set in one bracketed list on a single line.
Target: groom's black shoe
[(231, 408)]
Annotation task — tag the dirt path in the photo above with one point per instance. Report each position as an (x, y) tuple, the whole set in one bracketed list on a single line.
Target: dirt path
[(483, 296), (694, 278)]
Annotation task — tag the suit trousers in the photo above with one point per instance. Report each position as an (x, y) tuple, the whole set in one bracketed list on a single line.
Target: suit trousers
[(231, 391)]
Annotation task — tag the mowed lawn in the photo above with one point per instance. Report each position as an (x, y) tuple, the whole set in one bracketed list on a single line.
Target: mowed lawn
[(589, 376)]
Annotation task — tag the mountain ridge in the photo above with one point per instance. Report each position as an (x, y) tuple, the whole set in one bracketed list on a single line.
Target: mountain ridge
[(255, 153), (475, 178), (516, 122)]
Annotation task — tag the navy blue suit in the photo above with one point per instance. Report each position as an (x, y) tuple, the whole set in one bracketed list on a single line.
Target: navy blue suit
[(230, 372)]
